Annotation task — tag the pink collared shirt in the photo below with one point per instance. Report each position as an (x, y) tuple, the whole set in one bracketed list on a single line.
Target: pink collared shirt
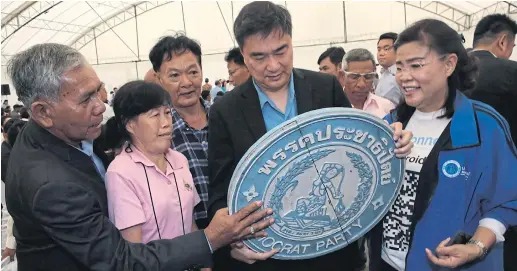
[(129, 200), (378, 106)]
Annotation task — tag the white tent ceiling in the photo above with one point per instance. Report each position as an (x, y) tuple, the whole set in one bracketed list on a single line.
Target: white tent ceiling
[(116, 36), (25, 23)]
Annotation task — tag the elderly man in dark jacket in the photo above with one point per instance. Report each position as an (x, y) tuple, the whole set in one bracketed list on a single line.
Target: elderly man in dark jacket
[(55, 189)]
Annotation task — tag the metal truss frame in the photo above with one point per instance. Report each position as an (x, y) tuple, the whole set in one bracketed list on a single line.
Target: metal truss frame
[(447, 12), (512, 7), (23, 15), (505, 7), (106, 24), (463, 20), (26, 15)]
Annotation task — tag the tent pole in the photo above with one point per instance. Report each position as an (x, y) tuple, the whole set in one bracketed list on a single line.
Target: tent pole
[(137, 40), (405, 17), (183, 14), (344, 23), (95, 41)]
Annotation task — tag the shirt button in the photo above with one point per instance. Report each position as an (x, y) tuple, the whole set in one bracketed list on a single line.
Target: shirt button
[(169, 182)]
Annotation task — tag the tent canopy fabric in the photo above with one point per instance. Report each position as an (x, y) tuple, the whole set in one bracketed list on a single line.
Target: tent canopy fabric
[(25, 23), (116, 37)]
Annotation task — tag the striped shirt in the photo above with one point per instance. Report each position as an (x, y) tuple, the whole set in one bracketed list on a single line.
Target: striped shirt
[(194, 145)]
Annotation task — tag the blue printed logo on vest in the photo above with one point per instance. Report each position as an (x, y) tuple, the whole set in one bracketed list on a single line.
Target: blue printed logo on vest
[(451, 168)]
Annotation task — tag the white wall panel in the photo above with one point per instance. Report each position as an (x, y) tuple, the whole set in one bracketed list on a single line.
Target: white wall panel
[(165, 20), (119, 44)]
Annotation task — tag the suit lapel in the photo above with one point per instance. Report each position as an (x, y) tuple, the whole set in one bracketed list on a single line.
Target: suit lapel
[(251, 111), (102, 155), (250, 105), (303, 93)]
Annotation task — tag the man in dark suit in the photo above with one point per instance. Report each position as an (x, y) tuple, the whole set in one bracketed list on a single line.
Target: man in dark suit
[(496, 85), (55, 187), (275, 93)]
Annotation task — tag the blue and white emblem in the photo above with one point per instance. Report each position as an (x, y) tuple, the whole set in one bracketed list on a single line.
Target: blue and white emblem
[(329, 175), (451, 168)]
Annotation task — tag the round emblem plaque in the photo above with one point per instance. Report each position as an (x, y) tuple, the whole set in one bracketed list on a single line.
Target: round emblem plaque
[(330, 176)]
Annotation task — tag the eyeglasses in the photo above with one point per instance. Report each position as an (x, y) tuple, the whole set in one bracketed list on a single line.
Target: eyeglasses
[(368, 77), (417, 66)]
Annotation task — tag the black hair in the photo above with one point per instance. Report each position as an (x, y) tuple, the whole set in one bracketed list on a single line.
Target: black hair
[(205, 94), (220, 93), (16, 106), (206, 80), (490, 26), (261, 17), (24, 113), (132, 99), (235, 55), (388, 36), (440, 37), (14, 130), (335, 54), (169, 45)]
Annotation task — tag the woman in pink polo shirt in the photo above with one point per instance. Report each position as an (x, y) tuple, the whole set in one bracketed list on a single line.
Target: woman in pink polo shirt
[(151, 194)]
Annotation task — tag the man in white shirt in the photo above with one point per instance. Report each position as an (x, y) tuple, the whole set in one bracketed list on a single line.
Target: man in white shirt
[(359, 67), (387, 87)]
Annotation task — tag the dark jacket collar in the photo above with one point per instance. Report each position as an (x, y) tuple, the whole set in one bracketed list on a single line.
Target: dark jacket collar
[(250, 104), (39, 137), (483, 53)]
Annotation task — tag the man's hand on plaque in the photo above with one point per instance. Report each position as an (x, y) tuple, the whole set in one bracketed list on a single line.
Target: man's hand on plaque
[(242, 253), (248, 222), (402, 139)]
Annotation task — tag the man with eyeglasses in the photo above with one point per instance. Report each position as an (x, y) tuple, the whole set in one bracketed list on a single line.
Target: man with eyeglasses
[(238, 73), (359, 66), (387, 87)]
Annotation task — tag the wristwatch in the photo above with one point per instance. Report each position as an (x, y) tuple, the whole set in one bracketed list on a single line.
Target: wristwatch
[(480, 245)]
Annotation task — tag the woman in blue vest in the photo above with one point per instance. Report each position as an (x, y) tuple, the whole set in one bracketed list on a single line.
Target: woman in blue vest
[(459, 193)]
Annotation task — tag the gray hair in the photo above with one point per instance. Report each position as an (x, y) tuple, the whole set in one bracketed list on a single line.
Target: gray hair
[(356, 55), (37, 73)]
